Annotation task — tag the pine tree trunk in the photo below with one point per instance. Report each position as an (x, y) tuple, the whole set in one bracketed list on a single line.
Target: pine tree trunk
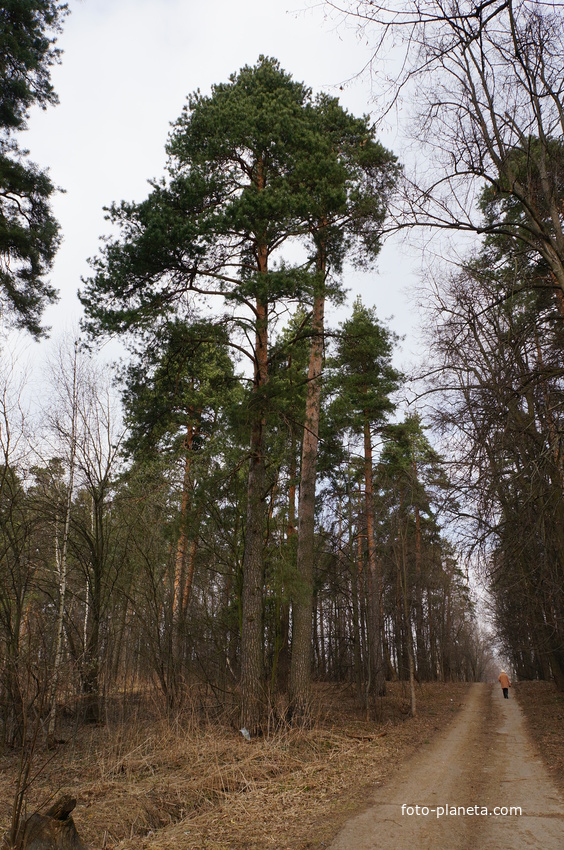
[(447, 642), (252, 651), (356, 612), (182, 543), (421, 648), (376, 627), (408, 632), (365, 654), (190, 568), (183, 570), (253, 569), (302, 610), (323, 671)]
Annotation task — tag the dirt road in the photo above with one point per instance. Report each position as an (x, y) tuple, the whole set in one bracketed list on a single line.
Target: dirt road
[(484, 764)]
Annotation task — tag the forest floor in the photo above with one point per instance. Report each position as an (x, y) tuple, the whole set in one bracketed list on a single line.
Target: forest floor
[(190, 784), (193, 785), (543, 707)]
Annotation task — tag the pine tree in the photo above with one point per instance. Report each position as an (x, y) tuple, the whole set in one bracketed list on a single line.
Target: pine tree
[(228, 206), (363, 384), (28, 231), (349, 179), (173, 397)]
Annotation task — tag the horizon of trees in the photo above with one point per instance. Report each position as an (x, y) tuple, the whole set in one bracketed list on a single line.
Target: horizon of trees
[(132, 579)]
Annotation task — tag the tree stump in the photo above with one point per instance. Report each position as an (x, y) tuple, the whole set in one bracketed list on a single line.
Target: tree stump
[(54, 830)]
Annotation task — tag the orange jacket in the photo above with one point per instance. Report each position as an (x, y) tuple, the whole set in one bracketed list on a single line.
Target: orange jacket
[(504, 680)]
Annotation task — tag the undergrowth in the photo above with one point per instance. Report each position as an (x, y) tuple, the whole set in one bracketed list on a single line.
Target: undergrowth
[(195, 783)]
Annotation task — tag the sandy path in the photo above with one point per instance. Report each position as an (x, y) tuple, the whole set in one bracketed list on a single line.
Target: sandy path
[(485, 760)]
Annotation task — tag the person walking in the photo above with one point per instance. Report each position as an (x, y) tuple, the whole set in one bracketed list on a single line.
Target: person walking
[(503, 679)]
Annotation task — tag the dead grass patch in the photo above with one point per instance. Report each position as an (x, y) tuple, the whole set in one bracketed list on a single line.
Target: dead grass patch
[(543, 707), (162, 785)]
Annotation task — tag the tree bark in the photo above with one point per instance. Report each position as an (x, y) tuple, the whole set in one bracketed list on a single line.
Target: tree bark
[(421, 648), (252, 652), (182, 543), (61, 556), (376, 626), (252, 664), (407, 619), (300, 669)]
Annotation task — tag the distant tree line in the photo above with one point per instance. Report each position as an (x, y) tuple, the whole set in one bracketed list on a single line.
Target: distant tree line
[(121, 575), (484, 82)]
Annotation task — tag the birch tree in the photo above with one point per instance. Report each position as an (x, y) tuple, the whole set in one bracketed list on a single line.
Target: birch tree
[(65, 423)]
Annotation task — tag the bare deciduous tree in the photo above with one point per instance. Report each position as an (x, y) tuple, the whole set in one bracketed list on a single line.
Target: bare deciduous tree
[(484, 87)]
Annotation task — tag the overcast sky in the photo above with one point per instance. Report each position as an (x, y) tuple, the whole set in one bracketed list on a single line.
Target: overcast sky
[(126, 69)]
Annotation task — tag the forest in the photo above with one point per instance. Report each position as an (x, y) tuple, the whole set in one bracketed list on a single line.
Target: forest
[(246, 506)]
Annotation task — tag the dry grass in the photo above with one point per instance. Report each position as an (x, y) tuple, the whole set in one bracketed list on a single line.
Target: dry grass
[(543, 707), (163, 785)]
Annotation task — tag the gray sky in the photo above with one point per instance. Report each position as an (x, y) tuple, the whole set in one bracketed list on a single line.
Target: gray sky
[(126, 70)]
